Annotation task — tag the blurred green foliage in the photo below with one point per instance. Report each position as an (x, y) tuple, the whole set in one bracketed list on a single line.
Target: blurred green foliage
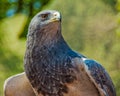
[(90, 27), (118, 17), (28, 7)]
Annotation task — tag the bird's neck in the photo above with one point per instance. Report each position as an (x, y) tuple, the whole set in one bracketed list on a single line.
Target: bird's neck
[(49, 36), (46, 45), (53, 48)]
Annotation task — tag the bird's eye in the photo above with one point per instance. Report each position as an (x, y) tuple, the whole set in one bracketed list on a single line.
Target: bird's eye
[(44, 16)]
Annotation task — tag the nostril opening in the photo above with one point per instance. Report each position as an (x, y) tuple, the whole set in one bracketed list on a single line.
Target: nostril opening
[(55, 14)]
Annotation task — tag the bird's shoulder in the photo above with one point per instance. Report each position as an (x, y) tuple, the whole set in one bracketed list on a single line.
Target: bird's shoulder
[(98, 75)]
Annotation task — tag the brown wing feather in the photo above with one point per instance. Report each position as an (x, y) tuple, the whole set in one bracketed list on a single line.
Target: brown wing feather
[(101, 77)]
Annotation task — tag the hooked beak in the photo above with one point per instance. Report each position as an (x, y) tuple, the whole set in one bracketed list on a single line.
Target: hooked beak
[(56, 17)]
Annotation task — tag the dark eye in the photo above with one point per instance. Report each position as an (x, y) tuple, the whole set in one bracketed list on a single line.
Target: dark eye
[(44, 16)]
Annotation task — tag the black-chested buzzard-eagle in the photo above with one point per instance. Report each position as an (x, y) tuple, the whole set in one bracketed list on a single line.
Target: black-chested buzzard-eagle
[(54, 69)]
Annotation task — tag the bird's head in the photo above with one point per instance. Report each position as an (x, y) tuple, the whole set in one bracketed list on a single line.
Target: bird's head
[(48, 16), (45, 18), (45, 24)]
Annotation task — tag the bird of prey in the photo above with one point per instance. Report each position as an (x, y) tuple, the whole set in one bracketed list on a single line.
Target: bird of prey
[(54, 69)]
